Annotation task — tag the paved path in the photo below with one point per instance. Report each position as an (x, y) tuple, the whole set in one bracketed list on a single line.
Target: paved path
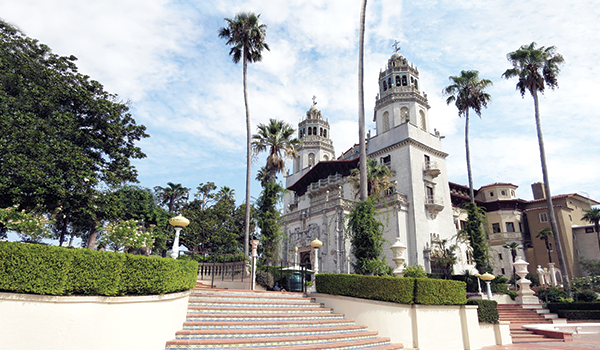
[(580, 341)]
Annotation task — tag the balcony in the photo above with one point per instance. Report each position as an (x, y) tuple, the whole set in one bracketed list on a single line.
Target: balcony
[(431, 169), (434, 205)]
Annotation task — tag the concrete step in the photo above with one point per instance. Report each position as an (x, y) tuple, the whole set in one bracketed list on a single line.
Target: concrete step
[(264, 333), (268, 324)]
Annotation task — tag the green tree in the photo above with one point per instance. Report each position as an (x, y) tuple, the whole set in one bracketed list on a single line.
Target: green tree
[(467, 91), (62, 134), (173, 196), (593, 216), (366, 239), (246, 35), (591, 266), (545, 234), (378, 179), (268, 219), (513, 247), (473, 233), (536, 67), (277, 139), (444, 257)]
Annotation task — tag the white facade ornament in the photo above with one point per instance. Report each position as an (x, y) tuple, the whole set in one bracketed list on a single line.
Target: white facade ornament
[(525, 294), (398, 250)]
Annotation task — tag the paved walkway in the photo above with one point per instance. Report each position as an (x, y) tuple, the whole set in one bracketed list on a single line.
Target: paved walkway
[(580, 341)]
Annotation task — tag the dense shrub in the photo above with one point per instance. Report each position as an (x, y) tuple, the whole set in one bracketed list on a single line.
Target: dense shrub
[(586, 295), (556, 307), (439, 292), (265, 279), (487, 311), (39, 269), (550, 294), (512, 294), (414, 271), (579, 314), (394, 289)]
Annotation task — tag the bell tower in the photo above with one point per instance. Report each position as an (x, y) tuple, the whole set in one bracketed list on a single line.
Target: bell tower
[(314, 132)]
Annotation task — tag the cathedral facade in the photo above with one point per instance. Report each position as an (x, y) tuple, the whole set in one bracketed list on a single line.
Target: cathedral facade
[(417, 211)]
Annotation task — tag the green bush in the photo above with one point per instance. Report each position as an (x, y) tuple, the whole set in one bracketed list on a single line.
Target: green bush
[(579, 314), (551, 294), (556, 307), (50, 270), (414, 271), (512, 294), (487, 311), (393, 289), (586, 295), (265, 279), (439, 292)]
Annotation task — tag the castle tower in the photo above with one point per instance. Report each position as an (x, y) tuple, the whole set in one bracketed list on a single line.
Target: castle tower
[(405, 143), (316, 146)]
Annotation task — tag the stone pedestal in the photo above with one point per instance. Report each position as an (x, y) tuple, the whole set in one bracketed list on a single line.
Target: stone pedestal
[(525, 294)]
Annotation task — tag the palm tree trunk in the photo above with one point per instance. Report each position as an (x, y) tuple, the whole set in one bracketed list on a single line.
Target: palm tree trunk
[(248, 159), (553, 225), (468, 151), (361, 106)]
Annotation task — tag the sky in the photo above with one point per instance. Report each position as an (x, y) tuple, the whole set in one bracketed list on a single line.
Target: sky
[(165, 58)]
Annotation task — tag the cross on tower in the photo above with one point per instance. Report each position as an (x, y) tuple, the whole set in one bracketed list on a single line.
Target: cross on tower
[(314, 98), (396, 47)]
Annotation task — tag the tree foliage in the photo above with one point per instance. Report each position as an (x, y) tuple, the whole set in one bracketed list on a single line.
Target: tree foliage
[(277, 139), (378, 179), (473, 233), (593, 216), (268, 219), (366, 238), (62, 133)]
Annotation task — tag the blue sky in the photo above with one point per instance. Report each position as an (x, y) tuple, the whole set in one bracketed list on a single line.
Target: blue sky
[(166, 59)]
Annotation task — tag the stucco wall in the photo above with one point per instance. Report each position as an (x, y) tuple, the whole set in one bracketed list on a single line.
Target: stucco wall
[(64, 323), (421, 326)]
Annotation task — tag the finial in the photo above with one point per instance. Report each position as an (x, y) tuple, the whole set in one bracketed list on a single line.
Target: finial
[(396, 47), (314, 98)]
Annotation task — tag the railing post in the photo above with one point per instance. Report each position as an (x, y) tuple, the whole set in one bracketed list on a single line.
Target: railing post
[(212, 281)]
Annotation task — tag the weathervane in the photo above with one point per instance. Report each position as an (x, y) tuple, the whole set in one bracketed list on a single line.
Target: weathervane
[(396, 47), (314, 98)]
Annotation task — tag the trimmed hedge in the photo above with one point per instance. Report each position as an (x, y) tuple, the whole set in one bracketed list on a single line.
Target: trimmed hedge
[(402, 290), (51, 270), (579, 314), (556, 307), (397, 290), (487, 311), (440, 292)]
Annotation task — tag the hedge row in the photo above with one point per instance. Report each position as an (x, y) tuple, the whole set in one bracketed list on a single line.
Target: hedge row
[(487, 311), (579, 314), (393, 289), (51, 270), (555, 307)]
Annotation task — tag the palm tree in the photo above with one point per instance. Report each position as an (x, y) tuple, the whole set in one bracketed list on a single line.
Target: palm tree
[(467, 92), (172, 196), (544, 235), (262, 176), (537, 67), (593, 216), (378, 177), (361, 106), (227, 193), (276, 138), (247, 39)]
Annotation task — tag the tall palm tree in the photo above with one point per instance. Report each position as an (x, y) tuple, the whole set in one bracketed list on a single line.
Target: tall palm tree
[(544, 235), (593, 216), (277, 139), (467, 92), (513, 247), (227, 193), (537, 67), (172, 196), (247, 39), (361, 106)]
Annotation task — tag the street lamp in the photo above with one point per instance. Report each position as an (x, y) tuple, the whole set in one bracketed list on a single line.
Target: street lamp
[(179, 222), (316, 244), (478, 283), (488, 277)]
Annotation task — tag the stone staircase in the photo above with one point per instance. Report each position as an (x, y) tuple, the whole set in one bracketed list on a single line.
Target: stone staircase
[(519, 316), (238, 319)]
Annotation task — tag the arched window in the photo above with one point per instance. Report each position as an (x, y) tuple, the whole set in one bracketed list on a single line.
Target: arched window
[(416, 84), (423, 120), (320, 131), (311, 159), (390, 82), (325, 157), (385, 122), (324, 132), (384, 86), (398, 83), (309, 130), (404, 82), (314, 130), (404, 115)]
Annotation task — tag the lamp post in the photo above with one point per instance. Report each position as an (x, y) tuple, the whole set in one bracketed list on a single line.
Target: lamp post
[(488, 277), (254, 245), (179, 222), (316, 244), (478, 284)]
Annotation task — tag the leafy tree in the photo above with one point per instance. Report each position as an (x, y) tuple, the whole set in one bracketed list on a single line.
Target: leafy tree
[(277, 139), (366, 239), (544, 235), (467, 92), (173, 196), (268, 219), (378, 177), (513, 247), (62, 134), (536, 67), (444, 257), (246, 35), (591, 266), (31, 227), (593, 216), (473, 233)]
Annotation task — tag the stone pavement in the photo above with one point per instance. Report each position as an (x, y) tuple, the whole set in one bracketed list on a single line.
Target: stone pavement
[(580, 341)]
